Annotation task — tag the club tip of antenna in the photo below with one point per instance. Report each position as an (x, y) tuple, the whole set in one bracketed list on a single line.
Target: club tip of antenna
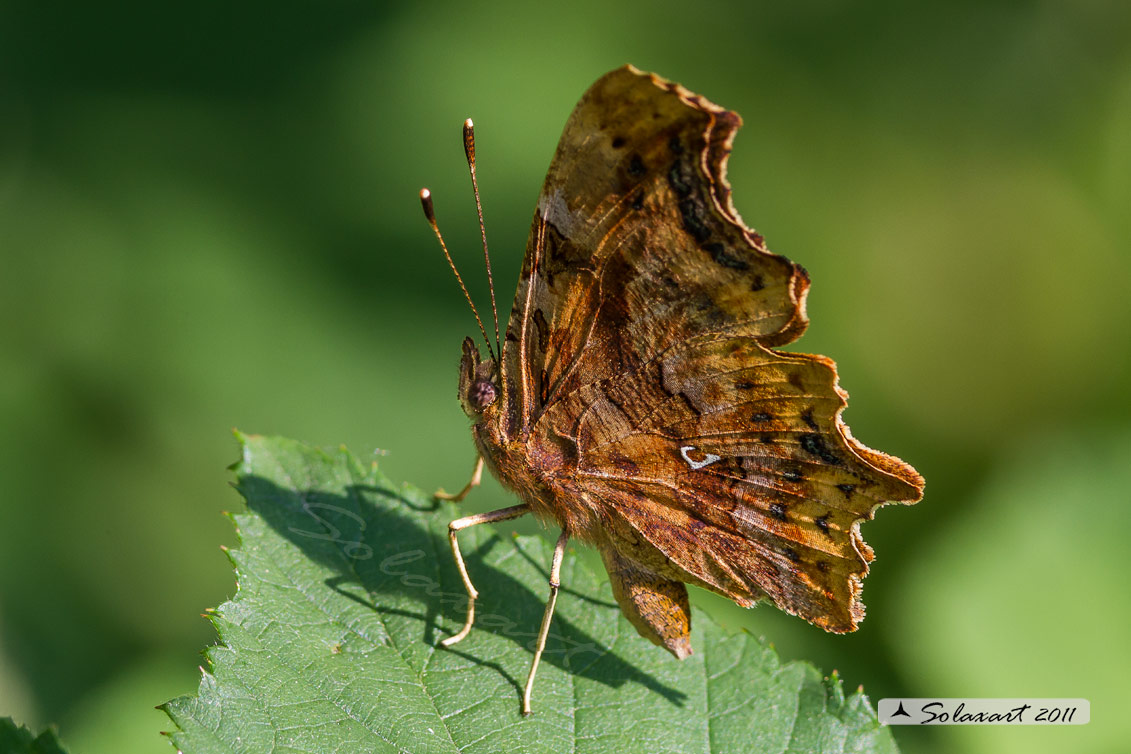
[(469, 142), (426, 202)]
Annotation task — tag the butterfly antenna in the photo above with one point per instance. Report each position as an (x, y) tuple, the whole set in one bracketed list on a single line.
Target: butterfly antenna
[(469, 151), (430, 215)]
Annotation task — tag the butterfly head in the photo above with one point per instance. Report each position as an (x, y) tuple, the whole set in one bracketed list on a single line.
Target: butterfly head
[(477, 388)]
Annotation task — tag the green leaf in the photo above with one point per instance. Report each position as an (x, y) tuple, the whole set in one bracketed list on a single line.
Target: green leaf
[(346, 585), (16, 739)]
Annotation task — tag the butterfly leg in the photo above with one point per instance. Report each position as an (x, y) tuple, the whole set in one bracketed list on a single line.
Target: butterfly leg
[(555, 582), (503, 514), (476, 478)]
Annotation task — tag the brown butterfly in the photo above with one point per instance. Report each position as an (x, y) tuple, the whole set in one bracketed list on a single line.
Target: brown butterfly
[(636, 400)]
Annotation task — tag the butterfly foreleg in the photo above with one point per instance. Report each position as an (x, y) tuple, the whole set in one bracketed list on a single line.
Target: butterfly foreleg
[(454, 527), (476, 478), (555, 583)]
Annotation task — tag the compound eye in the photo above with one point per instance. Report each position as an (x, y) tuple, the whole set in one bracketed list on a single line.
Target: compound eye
[(482, 394)]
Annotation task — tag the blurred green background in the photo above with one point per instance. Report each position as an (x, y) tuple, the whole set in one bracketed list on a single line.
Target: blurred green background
[(208, 219)]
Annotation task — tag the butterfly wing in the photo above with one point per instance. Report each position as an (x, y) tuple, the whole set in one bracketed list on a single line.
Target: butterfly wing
[(639, 357), (726, 464), (635, 246)]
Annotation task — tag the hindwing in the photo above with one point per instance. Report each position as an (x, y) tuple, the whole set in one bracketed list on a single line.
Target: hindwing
[(728, 465)]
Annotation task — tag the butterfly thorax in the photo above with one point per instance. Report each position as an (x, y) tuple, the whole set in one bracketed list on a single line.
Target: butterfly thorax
[(535, 462)]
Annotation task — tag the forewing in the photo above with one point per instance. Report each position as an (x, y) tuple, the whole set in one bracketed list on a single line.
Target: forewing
[(636, 246), (726, 464)]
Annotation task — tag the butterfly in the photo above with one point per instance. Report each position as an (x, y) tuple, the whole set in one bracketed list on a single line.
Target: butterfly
[(637, 399)]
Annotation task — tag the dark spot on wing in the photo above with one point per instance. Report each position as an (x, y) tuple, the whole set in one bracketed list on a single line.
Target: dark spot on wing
[(693, 222), (559, 254), (807, 417), (675, 145), (846, 489), (720, 254), (823, 566), (542, 327), (822, 523), (679, 181), (767, 439), (625, 465), (791, 553), (638, 201), (813, 444), (777, 510), (791, 475), (761, 416), (618, 142), (756, 283), (636, 166)]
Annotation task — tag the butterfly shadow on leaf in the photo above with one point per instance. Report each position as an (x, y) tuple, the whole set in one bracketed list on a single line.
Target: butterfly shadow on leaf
[(388, 553)]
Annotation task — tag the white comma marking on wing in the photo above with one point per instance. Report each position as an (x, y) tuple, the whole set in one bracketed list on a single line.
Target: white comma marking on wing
[(708, 458)]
